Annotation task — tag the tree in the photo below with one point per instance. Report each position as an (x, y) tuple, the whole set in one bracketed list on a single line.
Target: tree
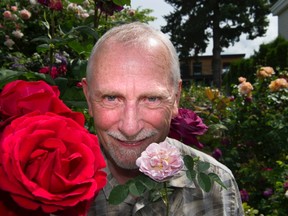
[(194, 22)]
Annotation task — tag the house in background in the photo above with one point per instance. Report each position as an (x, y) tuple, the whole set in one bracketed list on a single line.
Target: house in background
[(280, 9), (199, 69)]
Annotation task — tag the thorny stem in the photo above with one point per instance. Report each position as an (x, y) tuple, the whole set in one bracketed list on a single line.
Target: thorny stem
[(165, 198)]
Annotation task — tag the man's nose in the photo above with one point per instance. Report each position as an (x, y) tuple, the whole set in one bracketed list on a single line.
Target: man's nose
[(131, 122)]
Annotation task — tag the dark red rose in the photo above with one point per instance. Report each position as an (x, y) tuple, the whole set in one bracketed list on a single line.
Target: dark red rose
[(108, 7), (49, 163), (44, 70), (217, 153), (268, 192), (53, 73), (244, 195), (52, 4), (44, 2), (55, 5), (21, 97), (62, 69), (186, 126)]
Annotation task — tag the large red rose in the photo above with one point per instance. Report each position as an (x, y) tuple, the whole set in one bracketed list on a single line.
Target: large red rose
[(50, 163), (21, 97)]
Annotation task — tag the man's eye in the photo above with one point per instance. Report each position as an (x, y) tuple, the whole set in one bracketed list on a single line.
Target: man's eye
[(152, 101), (110, 98), (110, 101)]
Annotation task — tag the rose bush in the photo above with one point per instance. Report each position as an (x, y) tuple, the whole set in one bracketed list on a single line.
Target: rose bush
[(247, 132), (160, 161), (50, 163)]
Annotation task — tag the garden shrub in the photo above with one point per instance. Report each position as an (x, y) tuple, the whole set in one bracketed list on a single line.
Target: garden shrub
[(248, 132)]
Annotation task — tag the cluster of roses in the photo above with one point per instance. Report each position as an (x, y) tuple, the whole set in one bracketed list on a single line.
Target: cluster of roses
[(106, 6), (11, 17), (49, 162), (59, 68), (245, 88)]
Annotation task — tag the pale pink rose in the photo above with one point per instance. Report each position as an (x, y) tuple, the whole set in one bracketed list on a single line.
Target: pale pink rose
[(33, 2), (14, 8), (25, 14), (7, 14), (84, 15), (160, 161), (9, 43), (72, 6), (17, 34)]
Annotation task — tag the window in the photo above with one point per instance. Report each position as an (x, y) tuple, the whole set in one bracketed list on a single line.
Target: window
[(225, 67), (184, 68), (197, 68)]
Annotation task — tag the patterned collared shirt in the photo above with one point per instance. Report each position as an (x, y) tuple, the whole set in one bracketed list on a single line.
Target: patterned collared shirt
[(187, 198)]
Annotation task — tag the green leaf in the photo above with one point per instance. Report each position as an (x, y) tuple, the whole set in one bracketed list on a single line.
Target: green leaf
[(202, 166), (217, 179), (61, 82), (43, 39), (149, 183), (80, 48), (154, 195), (7, 76), (191, 174), (79, 68), (43, 48), (79, 104), (189, 162), (122, 2), (136, 188), (76, 1), (204, 181), (118, 194)]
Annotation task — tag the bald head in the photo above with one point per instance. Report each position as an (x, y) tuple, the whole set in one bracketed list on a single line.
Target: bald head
[(143, 38)]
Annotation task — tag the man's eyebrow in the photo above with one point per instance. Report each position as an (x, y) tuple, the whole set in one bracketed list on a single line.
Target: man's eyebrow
[(106, 92)]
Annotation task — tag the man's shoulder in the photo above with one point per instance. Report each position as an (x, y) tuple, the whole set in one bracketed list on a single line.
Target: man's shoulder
[(188, 150)]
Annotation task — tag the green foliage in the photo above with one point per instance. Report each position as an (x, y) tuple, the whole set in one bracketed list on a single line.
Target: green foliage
[(249, 211), (251, 132)]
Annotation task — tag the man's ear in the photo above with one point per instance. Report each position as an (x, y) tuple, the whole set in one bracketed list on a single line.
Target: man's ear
[(87, 95), (177, 99)]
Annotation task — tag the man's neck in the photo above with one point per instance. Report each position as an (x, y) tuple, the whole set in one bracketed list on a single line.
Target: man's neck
[(120, 174)]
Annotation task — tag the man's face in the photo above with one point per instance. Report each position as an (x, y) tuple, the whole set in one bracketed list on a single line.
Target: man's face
[(132, 100)]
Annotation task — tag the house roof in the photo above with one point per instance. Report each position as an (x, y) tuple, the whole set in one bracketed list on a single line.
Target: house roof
[(223, 56), (279, 7)]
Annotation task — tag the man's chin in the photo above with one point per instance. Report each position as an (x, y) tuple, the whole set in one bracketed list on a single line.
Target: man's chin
[(127, 165)]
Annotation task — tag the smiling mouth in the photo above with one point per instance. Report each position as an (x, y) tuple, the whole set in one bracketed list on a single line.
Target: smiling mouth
[(131, 143)]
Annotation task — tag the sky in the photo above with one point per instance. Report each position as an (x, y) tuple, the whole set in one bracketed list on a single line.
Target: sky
[(244, 46)]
